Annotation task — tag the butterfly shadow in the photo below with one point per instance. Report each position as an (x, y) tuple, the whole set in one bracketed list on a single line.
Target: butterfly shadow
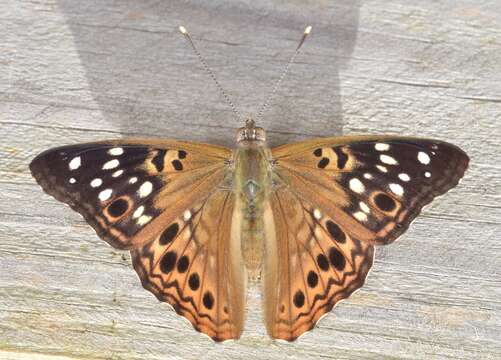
[(147, 81)]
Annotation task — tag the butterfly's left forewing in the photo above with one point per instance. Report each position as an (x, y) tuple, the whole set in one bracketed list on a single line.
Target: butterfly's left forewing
[(127, 189), (169, 202)]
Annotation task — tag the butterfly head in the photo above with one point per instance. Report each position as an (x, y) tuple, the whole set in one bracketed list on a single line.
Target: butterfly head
[(250, 134)]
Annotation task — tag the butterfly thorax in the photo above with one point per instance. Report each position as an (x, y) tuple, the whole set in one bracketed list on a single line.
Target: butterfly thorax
[(252, 184)]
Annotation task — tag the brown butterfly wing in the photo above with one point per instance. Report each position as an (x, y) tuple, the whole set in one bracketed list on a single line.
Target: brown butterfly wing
[(128, 189), (194, 266), (333, 199), (166, 201), (317, 262), (375, 185)]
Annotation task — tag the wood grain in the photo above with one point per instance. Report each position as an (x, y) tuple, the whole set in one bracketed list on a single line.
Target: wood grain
[(74, 71)]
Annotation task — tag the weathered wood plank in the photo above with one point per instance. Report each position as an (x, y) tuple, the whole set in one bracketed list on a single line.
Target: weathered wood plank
[(75, 71)]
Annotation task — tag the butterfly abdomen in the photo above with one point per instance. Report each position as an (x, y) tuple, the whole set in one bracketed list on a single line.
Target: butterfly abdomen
[(252, 183)]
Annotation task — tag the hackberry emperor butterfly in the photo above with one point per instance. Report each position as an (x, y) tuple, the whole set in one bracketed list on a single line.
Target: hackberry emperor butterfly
[(200, 220)]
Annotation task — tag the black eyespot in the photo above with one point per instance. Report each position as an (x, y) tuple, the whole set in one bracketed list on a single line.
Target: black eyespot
[(158, 160), (178, 165), (168, 261), (299, 299), (208, 300), (342, 158), (181, 154), (384, 202), (318, 152), (194, 281), (336, 232), (118, 207), (322, 262), (183, 263), (337, 259), (312, 279), (169, 234), (323, 163)]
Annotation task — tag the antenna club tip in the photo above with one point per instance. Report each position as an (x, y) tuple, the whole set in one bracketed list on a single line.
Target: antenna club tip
[(182, 29), (307, 30)]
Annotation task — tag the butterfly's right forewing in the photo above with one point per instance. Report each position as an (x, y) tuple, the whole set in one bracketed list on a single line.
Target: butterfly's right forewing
[(333, 199)]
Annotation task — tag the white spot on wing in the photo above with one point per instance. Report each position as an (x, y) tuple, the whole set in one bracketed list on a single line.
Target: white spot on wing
[(368, 176), (404, 177), (357, 186), (386, 159), (317, 214), (72, 180), (75, 163), (187, 215), (360, 216), (364, 207), (145, 189), (143, 219), (111, 164), (116, 151), (382, 147), (397, 189), (105, 194), (382, 168), (427, 174), (97, 182), (117, 173), (423, 158), (133, 180), (138, 212)]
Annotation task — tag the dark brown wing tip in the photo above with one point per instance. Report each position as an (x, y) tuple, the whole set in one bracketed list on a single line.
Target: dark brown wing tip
[(39, 170), (461, 163)]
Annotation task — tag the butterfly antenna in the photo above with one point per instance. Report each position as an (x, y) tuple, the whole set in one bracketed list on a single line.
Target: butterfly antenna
[(284, 72), (187, 36)]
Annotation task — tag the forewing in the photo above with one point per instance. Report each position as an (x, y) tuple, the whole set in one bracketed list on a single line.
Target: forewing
[(332, 200), (373, 185), (128, 189)]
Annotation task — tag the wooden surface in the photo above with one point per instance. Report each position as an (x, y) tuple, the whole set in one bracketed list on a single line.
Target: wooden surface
[(74, 71)]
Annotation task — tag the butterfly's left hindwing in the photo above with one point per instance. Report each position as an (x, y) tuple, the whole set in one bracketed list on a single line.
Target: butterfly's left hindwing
[(167, 201), (194, 266)]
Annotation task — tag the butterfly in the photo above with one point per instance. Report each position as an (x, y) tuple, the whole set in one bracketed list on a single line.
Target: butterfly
[(201, 221)]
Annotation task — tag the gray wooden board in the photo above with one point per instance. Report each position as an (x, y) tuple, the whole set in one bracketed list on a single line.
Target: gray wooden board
[(74, 71)]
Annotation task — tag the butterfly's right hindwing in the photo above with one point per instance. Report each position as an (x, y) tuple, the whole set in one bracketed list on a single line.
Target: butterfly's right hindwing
[(318, 263), (334, 198)]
